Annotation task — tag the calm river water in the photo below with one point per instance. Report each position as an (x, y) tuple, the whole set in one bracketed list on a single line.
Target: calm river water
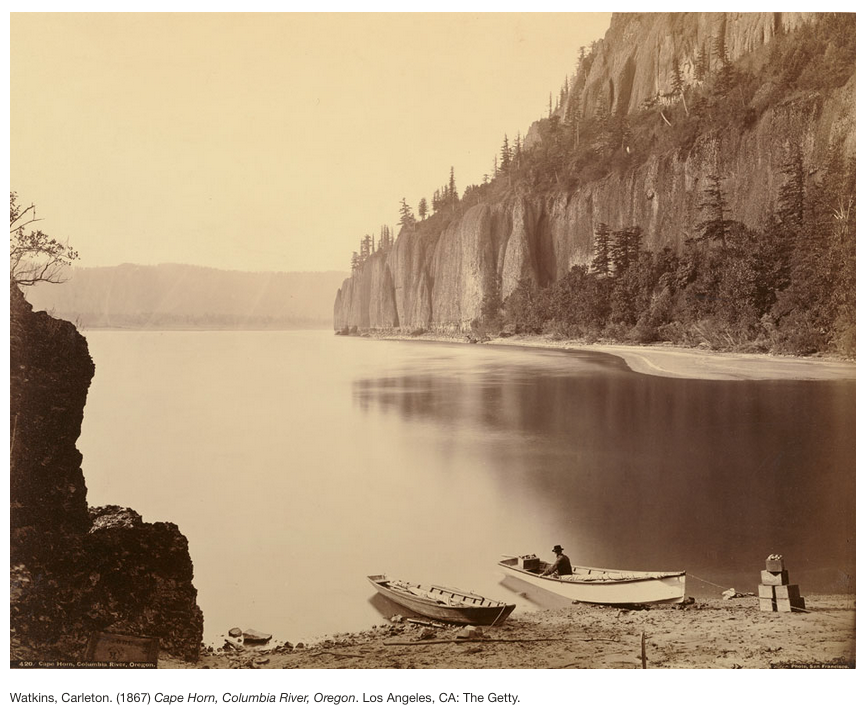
[(298, 463)]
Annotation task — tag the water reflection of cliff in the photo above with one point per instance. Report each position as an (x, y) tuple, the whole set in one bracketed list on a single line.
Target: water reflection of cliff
[(645, 471)]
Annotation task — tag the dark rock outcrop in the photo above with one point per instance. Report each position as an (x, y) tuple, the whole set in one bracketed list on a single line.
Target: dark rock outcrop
[(50, 372), (74, 570)]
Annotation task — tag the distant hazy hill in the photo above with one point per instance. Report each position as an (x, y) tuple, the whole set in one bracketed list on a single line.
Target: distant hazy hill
[(181, 296)]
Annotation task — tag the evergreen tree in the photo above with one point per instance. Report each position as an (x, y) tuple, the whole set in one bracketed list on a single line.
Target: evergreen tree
[(618, 252), (624, 248), (719, 46), (407, 219), (601, 264), (817, 312), (573, 118), (676, 79), (724, 78), (715, 226), (790, 198), (701, 65), (422, 209), (505, 154), (355, 262), (602, 127), (384, 238), (601, 113)]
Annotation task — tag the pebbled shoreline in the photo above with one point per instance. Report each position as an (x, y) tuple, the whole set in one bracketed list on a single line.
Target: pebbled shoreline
[(716, 633)]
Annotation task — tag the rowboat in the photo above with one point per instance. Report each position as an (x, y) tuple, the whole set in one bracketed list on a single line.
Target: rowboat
[(602, 586), (442, 603)]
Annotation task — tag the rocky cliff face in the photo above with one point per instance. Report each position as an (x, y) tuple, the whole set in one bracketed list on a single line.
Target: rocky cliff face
[(439, 280), (76, 570), (640, 50)]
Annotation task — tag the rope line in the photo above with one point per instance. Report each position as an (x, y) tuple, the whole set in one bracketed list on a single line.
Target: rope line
[(707, 581), (794, 609)]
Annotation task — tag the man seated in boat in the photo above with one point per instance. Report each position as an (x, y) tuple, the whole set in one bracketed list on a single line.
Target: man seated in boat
[(561, 565)]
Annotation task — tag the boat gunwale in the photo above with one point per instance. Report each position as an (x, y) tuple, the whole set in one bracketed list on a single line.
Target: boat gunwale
[(383, 582), (650, 575)]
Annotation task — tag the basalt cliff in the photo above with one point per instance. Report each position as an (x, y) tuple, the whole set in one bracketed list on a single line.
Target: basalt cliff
[(77, 570), (439, 272)]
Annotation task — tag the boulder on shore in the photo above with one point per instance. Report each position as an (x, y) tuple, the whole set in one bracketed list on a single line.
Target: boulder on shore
[(254, 636)]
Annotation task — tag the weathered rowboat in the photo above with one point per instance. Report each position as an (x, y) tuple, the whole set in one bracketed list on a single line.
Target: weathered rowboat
[(442, 603), (602, 586)]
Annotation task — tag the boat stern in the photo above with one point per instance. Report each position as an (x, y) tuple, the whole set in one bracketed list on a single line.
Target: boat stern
[(529, 562)]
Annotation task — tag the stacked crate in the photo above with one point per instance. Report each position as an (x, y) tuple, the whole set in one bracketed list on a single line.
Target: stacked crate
[(775, 592)]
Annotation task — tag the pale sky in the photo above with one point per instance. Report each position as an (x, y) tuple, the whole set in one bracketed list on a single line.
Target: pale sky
[(265, 141)]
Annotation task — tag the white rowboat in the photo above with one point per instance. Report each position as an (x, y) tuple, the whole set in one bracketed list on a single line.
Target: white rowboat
[(601, 586)]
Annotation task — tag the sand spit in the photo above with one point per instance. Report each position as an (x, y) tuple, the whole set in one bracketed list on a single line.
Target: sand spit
[(681, 362)]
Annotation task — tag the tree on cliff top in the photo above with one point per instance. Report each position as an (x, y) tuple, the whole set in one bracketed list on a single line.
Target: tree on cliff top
[(34, 257), (407, 218), (505, 154)]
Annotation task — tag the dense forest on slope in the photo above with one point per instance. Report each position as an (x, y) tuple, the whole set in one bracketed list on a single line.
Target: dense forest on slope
[(782, 280)]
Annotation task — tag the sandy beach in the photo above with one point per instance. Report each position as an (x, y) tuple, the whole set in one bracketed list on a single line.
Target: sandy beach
[(716, 633), (681, 362)]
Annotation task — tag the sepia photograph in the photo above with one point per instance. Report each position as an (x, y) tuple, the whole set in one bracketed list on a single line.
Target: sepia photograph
[(462, 340)]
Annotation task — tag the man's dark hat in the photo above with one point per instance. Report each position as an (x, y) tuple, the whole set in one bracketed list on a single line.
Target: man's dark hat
[(557, 549)]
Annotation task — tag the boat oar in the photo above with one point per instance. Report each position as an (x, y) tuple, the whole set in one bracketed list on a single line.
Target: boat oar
[(492, 641)]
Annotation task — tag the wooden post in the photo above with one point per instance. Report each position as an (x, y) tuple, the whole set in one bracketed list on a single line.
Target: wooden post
[(643, 653)]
